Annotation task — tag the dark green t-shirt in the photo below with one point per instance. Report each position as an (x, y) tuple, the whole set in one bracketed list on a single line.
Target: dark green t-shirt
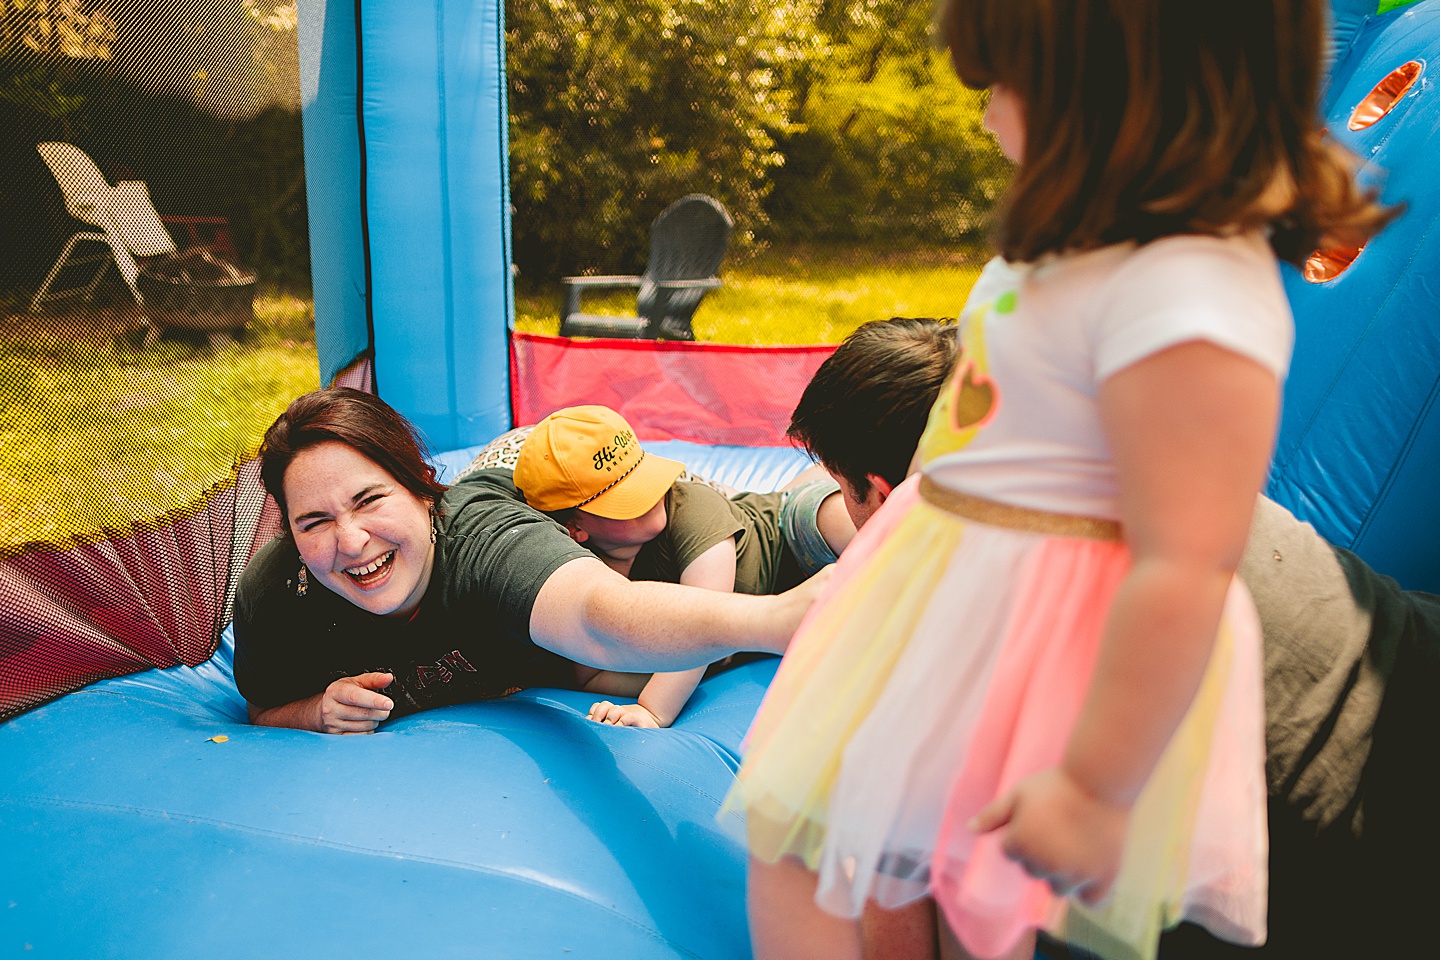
[(698, 517), (1352, 663), (469, 639), (1346, 650)]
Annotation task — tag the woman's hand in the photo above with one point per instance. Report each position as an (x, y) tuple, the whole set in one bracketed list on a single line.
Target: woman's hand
[(353, 705), (1059, 832), (791, 608), (622, 715)]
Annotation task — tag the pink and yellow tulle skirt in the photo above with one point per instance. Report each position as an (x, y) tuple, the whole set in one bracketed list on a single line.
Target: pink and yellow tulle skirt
[(948, 659)]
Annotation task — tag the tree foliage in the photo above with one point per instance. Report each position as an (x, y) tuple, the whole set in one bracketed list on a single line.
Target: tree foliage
[(886, 144), (38, 39), (808, 119), (78, 29), (617, 109)]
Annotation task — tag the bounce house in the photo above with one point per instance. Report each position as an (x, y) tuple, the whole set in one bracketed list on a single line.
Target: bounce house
[(141, 815)]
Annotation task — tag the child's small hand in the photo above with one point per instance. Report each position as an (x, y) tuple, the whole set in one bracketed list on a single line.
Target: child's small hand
[(622, 715), (1059, 832)]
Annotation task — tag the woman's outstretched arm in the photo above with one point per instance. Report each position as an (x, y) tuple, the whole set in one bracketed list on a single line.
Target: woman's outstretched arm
[(591, 614)]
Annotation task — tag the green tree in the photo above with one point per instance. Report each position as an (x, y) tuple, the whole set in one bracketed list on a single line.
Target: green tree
[(887, 145), (38, 38), (619, 108)]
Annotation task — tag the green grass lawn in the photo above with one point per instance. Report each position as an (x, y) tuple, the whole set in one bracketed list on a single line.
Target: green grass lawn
[(96, 433), (806, 295)]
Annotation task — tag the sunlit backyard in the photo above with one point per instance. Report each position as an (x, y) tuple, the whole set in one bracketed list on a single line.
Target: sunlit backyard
[(800, 295), (97, 428), (853, 164)]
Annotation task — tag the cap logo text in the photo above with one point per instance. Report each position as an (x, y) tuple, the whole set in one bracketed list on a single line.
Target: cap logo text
[(606, 455)]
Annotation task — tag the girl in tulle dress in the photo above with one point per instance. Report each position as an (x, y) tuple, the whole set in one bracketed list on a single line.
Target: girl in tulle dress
[(1032, 688)]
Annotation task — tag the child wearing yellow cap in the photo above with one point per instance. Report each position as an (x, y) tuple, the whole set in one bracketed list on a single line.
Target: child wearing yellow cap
[(585, 468)]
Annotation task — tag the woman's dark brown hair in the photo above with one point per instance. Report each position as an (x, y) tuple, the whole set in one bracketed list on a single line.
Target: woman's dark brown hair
[(361, 421), (1147, 118)]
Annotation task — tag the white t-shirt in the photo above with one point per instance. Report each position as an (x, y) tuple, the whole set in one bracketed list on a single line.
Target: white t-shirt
[(1020, 422)]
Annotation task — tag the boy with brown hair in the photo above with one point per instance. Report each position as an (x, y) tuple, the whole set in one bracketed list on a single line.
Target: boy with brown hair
[(862, 413)]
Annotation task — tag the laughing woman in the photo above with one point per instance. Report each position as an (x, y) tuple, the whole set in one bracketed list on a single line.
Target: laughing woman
[(388, 593)]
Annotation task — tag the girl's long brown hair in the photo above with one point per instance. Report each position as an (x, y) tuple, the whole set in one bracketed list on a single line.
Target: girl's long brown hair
[(1147, 118)]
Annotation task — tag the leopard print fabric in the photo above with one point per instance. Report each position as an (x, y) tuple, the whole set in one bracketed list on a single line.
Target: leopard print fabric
[(500, 453)]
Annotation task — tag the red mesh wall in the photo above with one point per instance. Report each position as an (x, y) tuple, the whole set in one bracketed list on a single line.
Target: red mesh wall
[(668, 390), (157, 596), (154, 319)]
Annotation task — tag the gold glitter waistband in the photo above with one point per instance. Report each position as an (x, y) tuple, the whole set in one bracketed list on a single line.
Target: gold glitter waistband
[(997, 514)]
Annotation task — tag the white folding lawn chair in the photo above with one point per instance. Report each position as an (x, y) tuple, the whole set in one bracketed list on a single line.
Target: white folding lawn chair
[(129, 225)]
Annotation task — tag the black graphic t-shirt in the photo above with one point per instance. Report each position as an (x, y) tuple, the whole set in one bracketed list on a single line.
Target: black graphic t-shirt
[(469, 639)]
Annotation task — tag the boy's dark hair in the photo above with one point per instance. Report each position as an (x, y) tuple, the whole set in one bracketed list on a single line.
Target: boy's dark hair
[(361, 421), (1148, 118), (865, 408)]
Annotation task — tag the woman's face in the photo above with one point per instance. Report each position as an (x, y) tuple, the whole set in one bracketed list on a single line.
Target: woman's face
[(359, 531), (1005, 118)]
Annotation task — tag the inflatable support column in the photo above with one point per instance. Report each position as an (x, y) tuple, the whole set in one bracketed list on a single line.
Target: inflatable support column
[(408, 187)]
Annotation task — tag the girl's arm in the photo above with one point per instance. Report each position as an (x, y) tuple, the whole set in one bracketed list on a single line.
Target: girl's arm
[(665, 695), (1190, 429)]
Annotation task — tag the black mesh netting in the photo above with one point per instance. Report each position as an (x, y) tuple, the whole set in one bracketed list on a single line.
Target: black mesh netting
[(154, 318)]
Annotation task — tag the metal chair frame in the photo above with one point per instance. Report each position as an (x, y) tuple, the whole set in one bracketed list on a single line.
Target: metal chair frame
[(124, 213)]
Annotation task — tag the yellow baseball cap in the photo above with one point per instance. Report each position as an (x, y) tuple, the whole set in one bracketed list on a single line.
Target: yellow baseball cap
[(588, 457)]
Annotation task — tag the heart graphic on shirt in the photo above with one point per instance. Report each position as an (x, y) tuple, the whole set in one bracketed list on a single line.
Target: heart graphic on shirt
[(974, 398), (969, 401)]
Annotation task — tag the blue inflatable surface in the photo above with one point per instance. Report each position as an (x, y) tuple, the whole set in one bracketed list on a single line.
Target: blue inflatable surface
[(744, 468), (508, 828), (1359, 443), (494, 829)]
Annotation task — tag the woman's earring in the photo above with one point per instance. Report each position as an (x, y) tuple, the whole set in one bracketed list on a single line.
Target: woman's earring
[(432, 529), (304, 581)]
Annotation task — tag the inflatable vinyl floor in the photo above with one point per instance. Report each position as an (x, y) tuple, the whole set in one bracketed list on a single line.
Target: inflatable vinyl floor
[(144, 817)]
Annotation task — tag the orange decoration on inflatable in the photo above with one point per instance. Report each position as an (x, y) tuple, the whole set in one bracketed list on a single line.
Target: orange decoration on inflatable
[(1385, 94), (1328, 264)]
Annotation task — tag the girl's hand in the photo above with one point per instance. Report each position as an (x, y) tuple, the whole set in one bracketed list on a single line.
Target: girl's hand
[(1059, 832)]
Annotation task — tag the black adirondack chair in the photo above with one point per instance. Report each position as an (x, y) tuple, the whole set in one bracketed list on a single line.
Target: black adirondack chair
[(687, 243)]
